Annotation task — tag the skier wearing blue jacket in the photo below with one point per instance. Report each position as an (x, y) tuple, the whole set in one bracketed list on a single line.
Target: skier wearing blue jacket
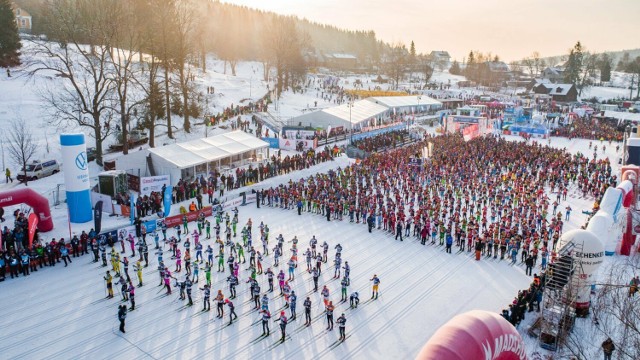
[(449, 242)]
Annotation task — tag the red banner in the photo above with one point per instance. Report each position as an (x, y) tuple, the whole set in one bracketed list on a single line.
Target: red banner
[(33, 223), (172, 221)]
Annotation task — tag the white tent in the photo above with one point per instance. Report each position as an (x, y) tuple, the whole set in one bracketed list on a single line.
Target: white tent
[(361, 111), (201, 156), (344, 115)]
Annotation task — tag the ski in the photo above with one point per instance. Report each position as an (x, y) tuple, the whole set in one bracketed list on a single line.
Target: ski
[(338, 342)]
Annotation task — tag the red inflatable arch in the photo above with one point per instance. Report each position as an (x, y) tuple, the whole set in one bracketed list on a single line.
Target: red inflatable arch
[(39, 203), (475, 335)]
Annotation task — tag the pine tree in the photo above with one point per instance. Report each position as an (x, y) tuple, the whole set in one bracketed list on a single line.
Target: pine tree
[(9, 39), (605, 66), (574, 64), (455, 68)]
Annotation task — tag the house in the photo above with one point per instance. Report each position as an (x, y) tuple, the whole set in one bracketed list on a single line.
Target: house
[(555, 74), (498, 66), (558, 92), (341, 61), (441, 59), (23, 18)]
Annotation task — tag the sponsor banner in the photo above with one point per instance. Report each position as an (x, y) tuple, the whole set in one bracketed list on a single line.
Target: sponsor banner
[(298, 134), (167, 200), (466, 119), (151, 184), (294, 144), (172, 221), (274, 143), (33, 224), (97, 216), (107, 202), (132, 208)]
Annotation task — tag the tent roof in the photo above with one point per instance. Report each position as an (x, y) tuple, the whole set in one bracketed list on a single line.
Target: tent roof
[(200, 151), (360, 111), (401, 101)]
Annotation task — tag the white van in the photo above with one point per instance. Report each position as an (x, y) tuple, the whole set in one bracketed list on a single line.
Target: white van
[(38, 170)]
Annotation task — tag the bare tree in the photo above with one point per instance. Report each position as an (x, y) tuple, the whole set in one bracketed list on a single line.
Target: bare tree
[(84, 98), (126, 39), (185, 23), (22, 148), (396, 63)]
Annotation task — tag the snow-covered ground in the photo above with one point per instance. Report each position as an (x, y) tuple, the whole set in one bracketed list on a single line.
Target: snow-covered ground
[(61, 312)]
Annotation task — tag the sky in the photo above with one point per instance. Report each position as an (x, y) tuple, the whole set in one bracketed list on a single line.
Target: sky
[(513, 29)]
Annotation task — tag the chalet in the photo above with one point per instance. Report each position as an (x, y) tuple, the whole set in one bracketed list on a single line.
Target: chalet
[(555, 74), (558, 92), (498, 67), (341, 61), (23, 18)]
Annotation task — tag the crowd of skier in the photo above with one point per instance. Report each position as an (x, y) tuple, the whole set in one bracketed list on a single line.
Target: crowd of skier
[(186, 260), (487, 195)]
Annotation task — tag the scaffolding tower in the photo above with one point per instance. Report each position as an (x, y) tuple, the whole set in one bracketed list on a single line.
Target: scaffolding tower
[(559, 297)]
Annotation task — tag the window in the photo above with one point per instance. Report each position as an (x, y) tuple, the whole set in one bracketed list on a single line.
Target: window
[(18, 12), (24, 22)]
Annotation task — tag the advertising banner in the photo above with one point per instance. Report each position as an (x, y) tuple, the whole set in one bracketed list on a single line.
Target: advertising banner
[(151, 184), (166, 201), (298, 144), (33, 224), (97, 216), (274, 143), (172, 221)]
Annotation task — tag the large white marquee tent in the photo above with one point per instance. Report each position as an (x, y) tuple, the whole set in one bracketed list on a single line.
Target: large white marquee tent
[(197, 157)]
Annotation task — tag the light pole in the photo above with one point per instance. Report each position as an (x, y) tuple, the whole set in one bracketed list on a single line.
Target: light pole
[(350, 124), (418, 110)]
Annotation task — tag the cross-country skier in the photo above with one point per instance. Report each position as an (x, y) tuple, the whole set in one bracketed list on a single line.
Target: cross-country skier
[(266, 315), (207, 293), (293, 298), (307, 311), (329, 310), (232, 311), (376, 282), (220, 300), (283, 324), (316, 276), (325, 295), (325, 249), (343, 285), (342, 320), (270, 276), (109, 280), (132, 294), (138, 268), (354, 299), (122, 315)]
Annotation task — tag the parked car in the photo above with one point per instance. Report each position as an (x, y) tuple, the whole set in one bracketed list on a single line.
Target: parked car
[(38, 170), (91, 154)]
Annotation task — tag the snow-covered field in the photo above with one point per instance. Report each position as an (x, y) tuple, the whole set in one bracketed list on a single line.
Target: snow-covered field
[(61, 313)]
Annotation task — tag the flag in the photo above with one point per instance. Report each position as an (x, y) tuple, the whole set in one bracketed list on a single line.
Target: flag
[(167, 200), (132, 211), (97, 216), (33, 223)]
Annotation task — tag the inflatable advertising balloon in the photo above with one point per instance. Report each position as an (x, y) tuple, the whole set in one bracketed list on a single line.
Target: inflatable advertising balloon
[(588, 255), (475, 335)]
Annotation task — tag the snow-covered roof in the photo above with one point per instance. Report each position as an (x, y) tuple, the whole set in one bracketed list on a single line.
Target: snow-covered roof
[(343, 56), (621, 115), (360, 111), (200, 151), (557, 89), (441, 53), (403, 101)]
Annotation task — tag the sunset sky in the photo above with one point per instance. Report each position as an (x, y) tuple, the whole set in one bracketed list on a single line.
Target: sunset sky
[(512, 29)]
